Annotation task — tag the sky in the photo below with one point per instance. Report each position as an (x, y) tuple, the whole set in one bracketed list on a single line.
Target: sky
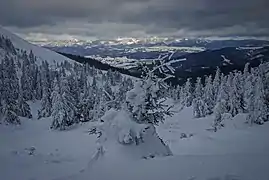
[(104, 19)]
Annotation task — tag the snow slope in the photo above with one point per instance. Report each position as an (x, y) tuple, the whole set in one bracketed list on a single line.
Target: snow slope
[(236, 152), (236, 137), (41, 53), (56, 153)]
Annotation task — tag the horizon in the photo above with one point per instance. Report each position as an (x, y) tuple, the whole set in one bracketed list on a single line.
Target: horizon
[(109, 19), (51, 39)]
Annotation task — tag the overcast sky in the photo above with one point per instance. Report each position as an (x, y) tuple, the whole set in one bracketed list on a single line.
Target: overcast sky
[(64, 19)]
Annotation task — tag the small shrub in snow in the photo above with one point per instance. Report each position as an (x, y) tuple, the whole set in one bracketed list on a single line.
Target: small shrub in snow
[(30, 151), (183, 135)]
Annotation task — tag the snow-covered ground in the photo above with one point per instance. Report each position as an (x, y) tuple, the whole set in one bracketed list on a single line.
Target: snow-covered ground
[(236, 152), (236, 137), (56, 153)]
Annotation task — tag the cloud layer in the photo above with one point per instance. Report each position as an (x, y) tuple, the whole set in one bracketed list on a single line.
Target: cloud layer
[(110, 18)]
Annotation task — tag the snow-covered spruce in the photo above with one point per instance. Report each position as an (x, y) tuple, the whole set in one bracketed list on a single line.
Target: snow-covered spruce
[(132, 127), (23, 108), (120, 135), (63, 109), (228, 95), (9, 91), (144, 102), (45, 110), (199, 109)]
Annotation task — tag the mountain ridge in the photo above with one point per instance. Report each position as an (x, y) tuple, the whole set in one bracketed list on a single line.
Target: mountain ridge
[(40, 52)]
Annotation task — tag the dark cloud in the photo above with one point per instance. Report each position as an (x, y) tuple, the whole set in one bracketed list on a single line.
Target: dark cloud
[(123, 17)]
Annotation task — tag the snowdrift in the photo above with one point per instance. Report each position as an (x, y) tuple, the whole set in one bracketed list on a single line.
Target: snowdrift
[(122, 138)]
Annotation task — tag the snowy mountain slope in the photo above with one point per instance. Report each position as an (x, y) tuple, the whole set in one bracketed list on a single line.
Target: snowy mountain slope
[(55, 153), (239, 152), (42, 54), (193, 167)]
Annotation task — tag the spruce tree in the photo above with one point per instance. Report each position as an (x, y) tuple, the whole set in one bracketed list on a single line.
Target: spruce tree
[(1, 86), (236, 95), (218, 111), (248, 91), (120, 94), (246, 71), (209, 95), (216, 83), (58, 114), (143, 100), (11, 82), (9, 92), (187, 93), (199, 109), (27, 82), (86, 104), (38, 89), (257, 106), (23, 107), (223, 96), (46, 105), (63, 109), (10, 110), (73, 85)]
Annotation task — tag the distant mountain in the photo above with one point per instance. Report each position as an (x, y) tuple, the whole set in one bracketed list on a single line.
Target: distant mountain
[(218, 44), (195, 64), (227, 59), (222, 58), (228, 55), (138, 49), (183, 42), (205, 63)]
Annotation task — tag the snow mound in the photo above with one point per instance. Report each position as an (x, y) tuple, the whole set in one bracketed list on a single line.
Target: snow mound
[(122, 138), (42, 54)]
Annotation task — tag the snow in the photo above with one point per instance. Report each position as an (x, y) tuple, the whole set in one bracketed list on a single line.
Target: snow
[(235, 152), (183, 168), (226, 60), (42, 54), (56, 153), (124, 138), (238, 152), (251, 48), (177, 60), (257, 56), (234, 138)]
